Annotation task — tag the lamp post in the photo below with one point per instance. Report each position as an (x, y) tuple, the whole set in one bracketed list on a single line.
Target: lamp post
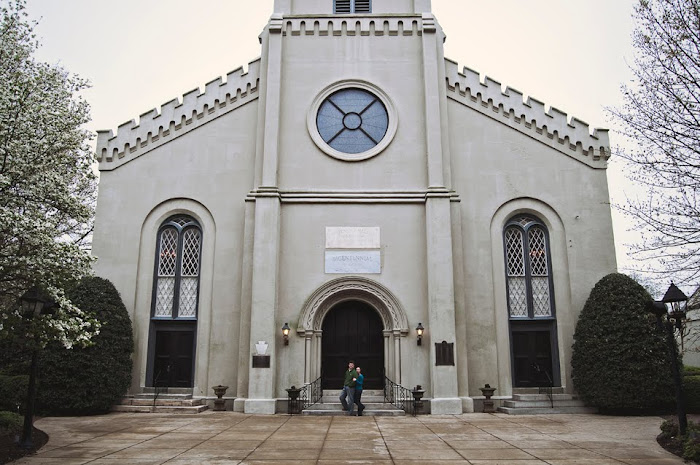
[(673, 306), (34, 303)]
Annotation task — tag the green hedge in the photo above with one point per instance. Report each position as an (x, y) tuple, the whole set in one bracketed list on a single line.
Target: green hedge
[(691, 389), (620, 361), (691, 371), (13, 391), (88, 381), (10, 422)]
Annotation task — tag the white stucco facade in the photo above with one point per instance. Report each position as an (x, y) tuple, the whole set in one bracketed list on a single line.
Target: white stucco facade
[(459, 159)]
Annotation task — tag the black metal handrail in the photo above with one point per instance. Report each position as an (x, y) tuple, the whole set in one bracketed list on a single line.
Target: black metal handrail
[(399, 396), (546, 389), (311, 393)]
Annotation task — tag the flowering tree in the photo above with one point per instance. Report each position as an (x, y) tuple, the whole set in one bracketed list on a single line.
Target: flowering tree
[(661, 118), (47, 185)]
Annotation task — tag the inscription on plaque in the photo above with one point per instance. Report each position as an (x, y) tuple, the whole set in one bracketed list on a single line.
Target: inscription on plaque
[(363, 262), (352, 238), (261, 361), (444, 353)]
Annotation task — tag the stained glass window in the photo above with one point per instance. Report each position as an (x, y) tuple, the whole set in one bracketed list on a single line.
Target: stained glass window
[(528, 277), (177, 268)]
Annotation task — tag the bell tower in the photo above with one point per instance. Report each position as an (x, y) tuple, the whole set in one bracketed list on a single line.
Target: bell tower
[(351, 93), (360, 7)]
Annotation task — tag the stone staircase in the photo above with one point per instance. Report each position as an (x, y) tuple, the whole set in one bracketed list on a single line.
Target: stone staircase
[(329, 405), (534, 403), (166, 400)]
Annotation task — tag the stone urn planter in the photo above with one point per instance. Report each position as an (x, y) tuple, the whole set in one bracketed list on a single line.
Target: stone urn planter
[(488, 391), (219, 403), (418, 393), (293, 402)]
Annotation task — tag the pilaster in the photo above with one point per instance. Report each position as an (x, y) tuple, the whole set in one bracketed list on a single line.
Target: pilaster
[(261, 384), (440, 269), (270, 140), (441, 302), (266, 236), (433, 120)]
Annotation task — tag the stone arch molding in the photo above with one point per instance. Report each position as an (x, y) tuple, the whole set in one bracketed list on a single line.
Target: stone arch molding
[(352, 288)]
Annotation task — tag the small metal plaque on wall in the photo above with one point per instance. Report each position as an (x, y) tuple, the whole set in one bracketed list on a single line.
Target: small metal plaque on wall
[(261, 361), (444, 353)]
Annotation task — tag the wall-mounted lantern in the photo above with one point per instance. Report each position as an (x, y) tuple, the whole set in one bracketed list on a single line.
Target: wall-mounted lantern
[(285, 333), (419, 332)]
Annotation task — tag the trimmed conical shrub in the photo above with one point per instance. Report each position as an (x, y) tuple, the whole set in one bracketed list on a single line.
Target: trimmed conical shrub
[(621, 361), (90, 380)]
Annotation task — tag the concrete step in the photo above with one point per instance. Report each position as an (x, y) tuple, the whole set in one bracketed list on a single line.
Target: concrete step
[(537, 390), (536, 397), (159, 409), (166, 390), (542, 403), (368, 406), (163, 395), (366, 413), (365, 392), (336, 409), (162, 402), (365, 399), (545, 411)]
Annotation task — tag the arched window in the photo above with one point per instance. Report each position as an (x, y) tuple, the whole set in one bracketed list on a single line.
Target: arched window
[(528, 271), (176, 281)]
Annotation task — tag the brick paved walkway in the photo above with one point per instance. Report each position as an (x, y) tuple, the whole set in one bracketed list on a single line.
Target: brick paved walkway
[(234, 438)]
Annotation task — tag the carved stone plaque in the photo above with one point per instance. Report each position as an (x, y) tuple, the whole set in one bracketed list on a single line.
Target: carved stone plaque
[(352, 238), (351, 261)]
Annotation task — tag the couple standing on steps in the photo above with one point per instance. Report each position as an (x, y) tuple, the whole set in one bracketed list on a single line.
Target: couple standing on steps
[(352, 389)]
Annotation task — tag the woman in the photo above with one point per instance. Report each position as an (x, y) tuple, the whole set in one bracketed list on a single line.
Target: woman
[(358, 391)]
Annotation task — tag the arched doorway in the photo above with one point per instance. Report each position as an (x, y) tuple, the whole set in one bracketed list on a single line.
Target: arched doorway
[(352, 330), (359, 290)]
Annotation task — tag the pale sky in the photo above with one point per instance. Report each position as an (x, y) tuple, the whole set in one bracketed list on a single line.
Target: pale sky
[(138, 54)]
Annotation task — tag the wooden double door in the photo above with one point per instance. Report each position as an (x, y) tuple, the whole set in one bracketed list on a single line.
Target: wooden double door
[(535, 361), (352, 330), (173, 355)]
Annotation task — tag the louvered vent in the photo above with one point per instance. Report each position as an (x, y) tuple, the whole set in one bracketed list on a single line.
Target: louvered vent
[(352, 6), (363, 6), (341, 6)]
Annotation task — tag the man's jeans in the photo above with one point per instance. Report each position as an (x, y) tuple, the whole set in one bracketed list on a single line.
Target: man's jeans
[(348, 392)]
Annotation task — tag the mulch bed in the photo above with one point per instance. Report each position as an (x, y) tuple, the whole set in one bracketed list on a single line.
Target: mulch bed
[(9, 450), (673, 445)]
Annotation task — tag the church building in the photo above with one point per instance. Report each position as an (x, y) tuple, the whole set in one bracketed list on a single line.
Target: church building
[(354, 185)]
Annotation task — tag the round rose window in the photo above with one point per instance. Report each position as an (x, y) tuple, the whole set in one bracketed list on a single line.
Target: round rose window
[(352, 120)]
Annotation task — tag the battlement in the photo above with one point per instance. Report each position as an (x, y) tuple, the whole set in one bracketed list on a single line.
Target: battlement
[(570, 136), (390, 25), (177, 117)]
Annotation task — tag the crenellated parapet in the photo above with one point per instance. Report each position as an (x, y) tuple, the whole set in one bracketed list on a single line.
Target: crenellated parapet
[(177, 117), (336, 25), (572, 137)]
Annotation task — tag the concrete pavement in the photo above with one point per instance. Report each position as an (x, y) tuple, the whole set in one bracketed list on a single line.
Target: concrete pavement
[(219, 438)]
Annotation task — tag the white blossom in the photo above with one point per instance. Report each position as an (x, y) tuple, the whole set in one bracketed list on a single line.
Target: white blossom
[(47, 185)]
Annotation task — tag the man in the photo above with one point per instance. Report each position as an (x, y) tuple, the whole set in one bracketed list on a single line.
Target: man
[(359, 382), (349, 388)]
